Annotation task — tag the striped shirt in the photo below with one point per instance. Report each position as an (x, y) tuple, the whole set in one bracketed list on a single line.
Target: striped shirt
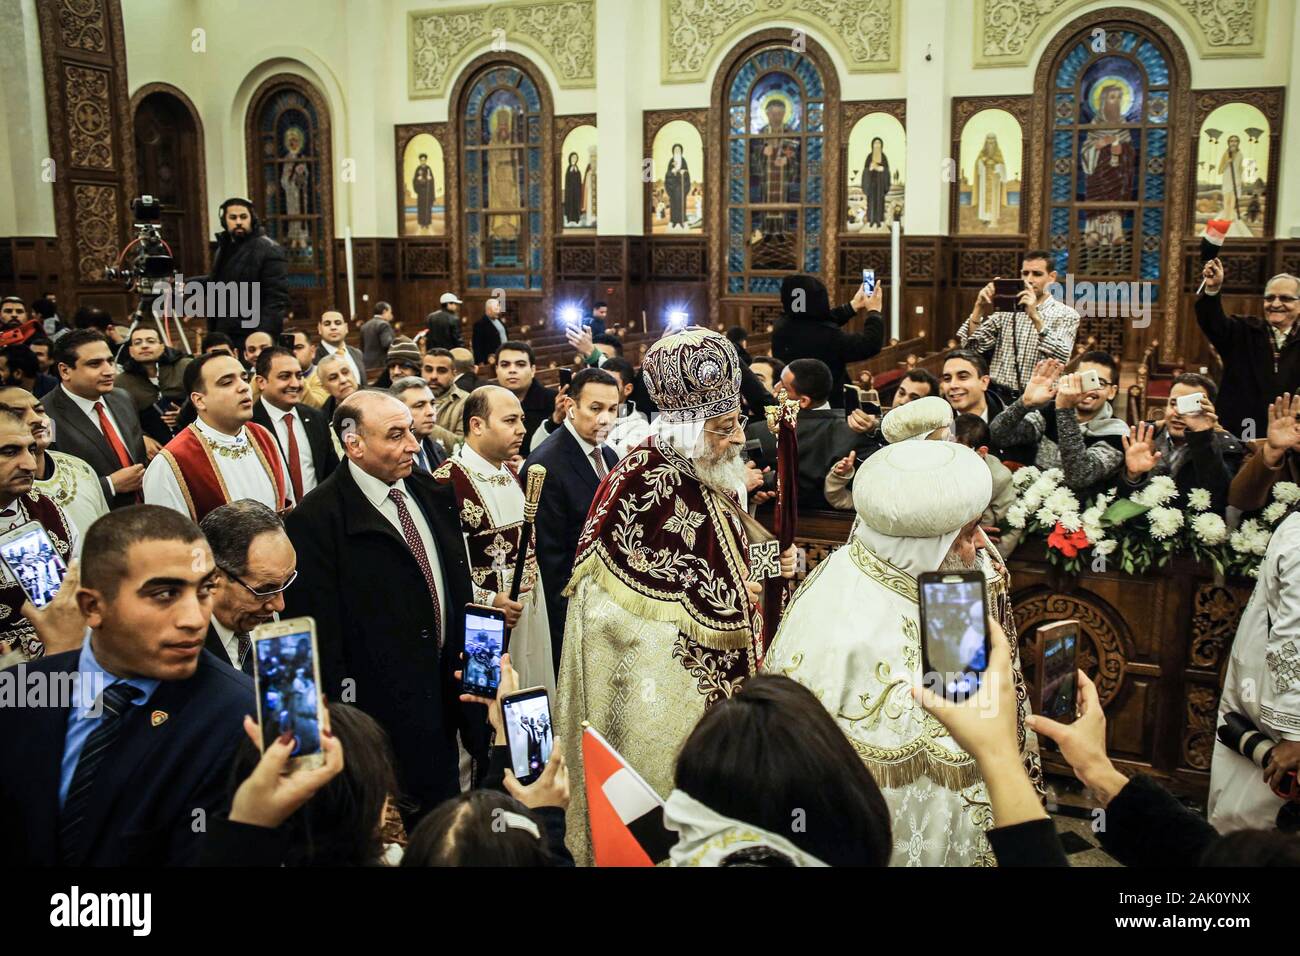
[(1017, 352)]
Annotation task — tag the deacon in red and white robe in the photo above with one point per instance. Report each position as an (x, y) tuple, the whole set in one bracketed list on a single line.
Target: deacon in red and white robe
[(202, 469)]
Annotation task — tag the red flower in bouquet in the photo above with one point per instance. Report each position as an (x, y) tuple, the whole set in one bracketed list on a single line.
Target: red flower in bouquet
[(1069, 543)]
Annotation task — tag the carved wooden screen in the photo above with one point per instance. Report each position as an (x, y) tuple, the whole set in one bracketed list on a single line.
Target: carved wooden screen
[(501, 144)]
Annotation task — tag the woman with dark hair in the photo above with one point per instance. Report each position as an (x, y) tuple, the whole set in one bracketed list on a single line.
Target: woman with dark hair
[(677, 183), (481, 828), (771, 759), (341, 825)]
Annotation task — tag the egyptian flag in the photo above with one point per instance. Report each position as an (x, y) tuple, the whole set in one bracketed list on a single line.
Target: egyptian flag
[(627, 816), (1216, 230)]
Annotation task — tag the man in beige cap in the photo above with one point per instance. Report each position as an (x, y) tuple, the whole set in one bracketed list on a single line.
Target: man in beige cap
[(852, 635), (444, 325)]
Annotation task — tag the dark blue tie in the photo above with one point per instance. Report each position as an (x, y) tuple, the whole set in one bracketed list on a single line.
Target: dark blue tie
[(115, 700)]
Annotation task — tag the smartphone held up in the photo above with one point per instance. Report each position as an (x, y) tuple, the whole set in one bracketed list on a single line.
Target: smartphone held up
[(286, 680), (32, 560), (485, 632), (954, 632)]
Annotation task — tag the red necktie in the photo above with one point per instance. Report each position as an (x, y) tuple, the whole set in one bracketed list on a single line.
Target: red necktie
[(114, 441), (416, 545), (295, 464)]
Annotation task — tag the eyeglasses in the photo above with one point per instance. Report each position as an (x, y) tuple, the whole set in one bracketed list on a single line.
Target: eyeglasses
[(261, 595), (1284, 299), (741, 422)]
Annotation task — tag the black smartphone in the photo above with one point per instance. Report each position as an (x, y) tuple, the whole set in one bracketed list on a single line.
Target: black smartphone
[(527, 715), (852, 399), (1058, 670), (954, 631), (33, 561), (485, 632), (566, 377), (287, 340), (286, 677), (1006, 295)]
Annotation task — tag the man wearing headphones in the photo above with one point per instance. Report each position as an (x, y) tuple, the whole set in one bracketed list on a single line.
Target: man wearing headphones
[(246, 254)]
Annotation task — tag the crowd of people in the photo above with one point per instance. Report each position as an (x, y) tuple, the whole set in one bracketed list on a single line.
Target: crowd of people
[(380, 491)]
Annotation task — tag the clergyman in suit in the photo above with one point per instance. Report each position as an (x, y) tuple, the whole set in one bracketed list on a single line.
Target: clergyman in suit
[(118, 774), (95, 421), (382, 568), (300, 431), (255, 563), (576, 460)]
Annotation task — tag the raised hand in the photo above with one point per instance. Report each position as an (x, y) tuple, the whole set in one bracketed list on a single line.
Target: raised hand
[(845, 466), (1213, 276), (1042, 384), (1140, 454), (1283, 428)]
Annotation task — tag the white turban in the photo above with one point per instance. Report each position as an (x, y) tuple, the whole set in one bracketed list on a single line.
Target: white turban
[(914, 498), (917, 419)]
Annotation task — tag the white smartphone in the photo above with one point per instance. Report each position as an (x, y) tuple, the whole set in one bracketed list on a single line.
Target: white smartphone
[(1189, 404), (30, 556), (1090, 381), (286, 680)]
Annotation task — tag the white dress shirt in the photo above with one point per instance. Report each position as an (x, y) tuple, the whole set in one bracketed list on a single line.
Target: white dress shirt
[(586, 446), (304, 446), (376, 492), (501, 330), (244, 476), (229, 641)]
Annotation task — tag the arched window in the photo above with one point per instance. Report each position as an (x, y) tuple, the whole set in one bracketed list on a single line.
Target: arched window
[(501, 143), (1110, 149), (774, 144), (289, 174), (170, 167)]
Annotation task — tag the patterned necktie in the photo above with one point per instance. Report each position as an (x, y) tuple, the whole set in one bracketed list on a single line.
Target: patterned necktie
[(115, 700), (599, 461), (111, 436), (413, 542), (295, 462), (245, 644)]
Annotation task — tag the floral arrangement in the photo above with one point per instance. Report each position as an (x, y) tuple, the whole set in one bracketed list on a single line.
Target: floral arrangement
[(1141, 531)]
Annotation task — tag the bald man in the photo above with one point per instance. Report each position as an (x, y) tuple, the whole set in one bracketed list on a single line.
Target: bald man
[(382, 569)]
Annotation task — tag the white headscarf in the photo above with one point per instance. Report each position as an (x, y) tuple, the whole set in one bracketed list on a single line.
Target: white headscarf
[(914, 498), (706, 838)]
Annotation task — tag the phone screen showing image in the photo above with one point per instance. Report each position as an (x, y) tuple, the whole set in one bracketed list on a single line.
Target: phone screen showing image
[(484, 639), (32, 559), (869, 281), (954, 620), (1059, 671), (528, 732), (288, 698)]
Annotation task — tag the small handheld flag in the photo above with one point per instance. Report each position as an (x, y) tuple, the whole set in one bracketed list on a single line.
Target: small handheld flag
[(1216, 230), (627, 816)]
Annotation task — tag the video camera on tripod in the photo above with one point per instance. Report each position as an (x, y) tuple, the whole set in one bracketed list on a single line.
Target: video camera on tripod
[(145, 270)]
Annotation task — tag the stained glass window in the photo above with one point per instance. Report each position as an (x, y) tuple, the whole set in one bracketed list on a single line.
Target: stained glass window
[(291, 203), (1110, 150), (775, 146), (502, 181)]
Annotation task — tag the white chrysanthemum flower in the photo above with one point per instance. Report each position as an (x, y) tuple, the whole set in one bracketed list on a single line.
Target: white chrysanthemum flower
[(1198, 499), (1054, 475), (1165, 522), (1025, 476), (1210, 528), (1017, 516), (1142, 498), (1062, 500), (1031, 500), (1071, 521), (1161, 489), (1095, 532), (1274, 512), (1106, 547), (1242, 539), (1287, 492), (1259, 543), (1047, 517)]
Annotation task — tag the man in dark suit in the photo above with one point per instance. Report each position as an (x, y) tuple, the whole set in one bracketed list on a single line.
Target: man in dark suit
[(382, 568), (576, 461), (489, 331), (416, 395), (95, 421), (333, 330), (517, 371), (121, 773), (823, 433), (302, 432), (255, 564)]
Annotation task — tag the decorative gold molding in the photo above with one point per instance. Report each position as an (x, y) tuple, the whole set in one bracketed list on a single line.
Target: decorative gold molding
[(693, 33), (1008, 31), (561, 32)]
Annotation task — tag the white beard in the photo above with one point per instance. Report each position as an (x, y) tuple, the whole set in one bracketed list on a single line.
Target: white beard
[(953, 561), (726, 472)]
